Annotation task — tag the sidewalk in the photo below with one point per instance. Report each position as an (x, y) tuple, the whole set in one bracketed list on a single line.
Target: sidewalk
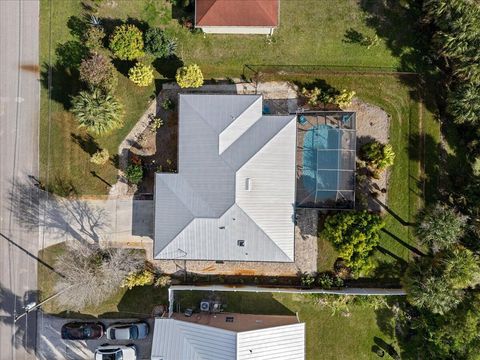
[(119, 222)]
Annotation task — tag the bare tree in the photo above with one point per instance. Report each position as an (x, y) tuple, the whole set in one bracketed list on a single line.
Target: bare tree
[(92, 273)]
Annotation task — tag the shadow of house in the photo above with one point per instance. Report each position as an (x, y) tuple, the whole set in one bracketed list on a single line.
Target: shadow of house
[(142, 218)]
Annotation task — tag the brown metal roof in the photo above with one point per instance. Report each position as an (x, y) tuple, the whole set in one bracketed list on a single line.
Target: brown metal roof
[(236, 12)]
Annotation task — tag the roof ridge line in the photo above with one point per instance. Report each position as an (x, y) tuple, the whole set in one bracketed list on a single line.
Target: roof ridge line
[(206, 12), (260, 5), (263, 231)]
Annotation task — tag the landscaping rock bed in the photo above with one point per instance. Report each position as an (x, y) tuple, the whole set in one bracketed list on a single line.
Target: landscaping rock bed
[(373, 123)]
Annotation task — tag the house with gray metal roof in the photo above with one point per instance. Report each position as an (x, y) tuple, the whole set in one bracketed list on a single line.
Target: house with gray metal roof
[(233, 197), (228, 336)]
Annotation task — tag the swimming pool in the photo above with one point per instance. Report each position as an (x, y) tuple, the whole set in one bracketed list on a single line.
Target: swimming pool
[(328, 163)]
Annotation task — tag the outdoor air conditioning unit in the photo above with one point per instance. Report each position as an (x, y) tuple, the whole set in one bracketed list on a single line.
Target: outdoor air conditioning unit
[(205, 306)]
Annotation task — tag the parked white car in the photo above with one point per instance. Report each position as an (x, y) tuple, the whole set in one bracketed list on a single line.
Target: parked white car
[(116, 352), (130, 331)]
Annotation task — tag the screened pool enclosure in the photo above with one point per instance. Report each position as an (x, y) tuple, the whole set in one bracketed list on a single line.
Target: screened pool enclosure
[(326, 143)]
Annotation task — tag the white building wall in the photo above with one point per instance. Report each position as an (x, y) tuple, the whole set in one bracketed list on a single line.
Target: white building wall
[(237, 30)]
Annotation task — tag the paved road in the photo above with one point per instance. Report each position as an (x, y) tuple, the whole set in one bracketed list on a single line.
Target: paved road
[(19, 113)]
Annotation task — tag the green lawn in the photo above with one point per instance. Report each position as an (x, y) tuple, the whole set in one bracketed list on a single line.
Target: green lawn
[(411, 122), (304, 37), (137, 302), (330, 334)]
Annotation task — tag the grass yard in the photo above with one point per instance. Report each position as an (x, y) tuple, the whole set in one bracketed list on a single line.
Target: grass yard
[(332, 331), (134, 303), (304, 37), (411, 122)]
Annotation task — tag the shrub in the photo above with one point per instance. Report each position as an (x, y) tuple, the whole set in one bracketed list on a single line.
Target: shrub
[(344, 98), (307, 280), (98, 71), (97, 112), (168, 104), (378, 155), (355, 235), (189, 76), (100, 157), (141, 74), (94, 38), (162, 281), (141, 278), (327, 281), (134, 173), (158, 44), (126, 42), (440, 226), (316, 96), (156, 123)]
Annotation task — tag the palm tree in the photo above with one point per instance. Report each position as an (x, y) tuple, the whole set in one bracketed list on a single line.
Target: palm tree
[(97, 112)]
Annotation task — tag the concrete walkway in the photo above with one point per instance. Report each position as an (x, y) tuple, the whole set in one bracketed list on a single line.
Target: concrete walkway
[(117, 222)]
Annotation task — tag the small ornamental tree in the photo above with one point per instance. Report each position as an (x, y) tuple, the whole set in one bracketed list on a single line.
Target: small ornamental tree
[(126, 42), (142, 278), (100, 157), (141, 74), (158, 44), (437, 282), (355, 235), (379, 156), (440, 226), (97, 112), (134, 173), (98, 72), (94, 38), (189, 76)]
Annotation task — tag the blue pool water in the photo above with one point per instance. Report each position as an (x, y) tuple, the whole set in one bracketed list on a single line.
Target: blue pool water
[(320, 167)]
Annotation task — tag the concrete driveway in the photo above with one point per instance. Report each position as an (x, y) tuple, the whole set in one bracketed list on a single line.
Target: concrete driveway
[(50, 345)]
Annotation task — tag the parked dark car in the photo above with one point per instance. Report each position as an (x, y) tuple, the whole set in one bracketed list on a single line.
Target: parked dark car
[(83, 330)]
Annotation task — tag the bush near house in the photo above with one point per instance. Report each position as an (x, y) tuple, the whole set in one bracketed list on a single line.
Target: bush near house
[(354, 235), (378, 156), (126, 42), (141, 74), (134, 173), (189, 76)]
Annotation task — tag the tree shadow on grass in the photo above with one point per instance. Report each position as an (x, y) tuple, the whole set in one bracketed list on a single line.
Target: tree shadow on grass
[(167, 67), (86, 142)]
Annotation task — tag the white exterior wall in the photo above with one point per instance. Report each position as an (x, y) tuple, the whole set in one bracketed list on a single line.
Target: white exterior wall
[(237, 30)]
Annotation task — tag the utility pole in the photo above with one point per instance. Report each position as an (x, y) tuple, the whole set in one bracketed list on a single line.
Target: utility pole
[(33, 306)]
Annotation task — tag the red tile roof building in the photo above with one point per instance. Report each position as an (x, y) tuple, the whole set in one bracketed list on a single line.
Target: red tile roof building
[(237, 16)]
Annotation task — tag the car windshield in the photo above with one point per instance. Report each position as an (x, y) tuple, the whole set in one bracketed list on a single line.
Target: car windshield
[(133, 332), (112, 334), (112, 355), (87, 331)]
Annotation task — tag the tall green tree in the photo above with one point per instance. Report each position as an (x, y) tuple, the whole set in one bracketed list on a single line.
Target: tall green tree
[(97, 111), (440, 226), (438, 282)]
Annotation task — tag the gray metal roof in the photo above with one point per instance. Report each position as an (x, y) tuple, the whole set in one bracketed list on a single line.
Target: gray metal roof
[(180, 340), (202, 211)]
